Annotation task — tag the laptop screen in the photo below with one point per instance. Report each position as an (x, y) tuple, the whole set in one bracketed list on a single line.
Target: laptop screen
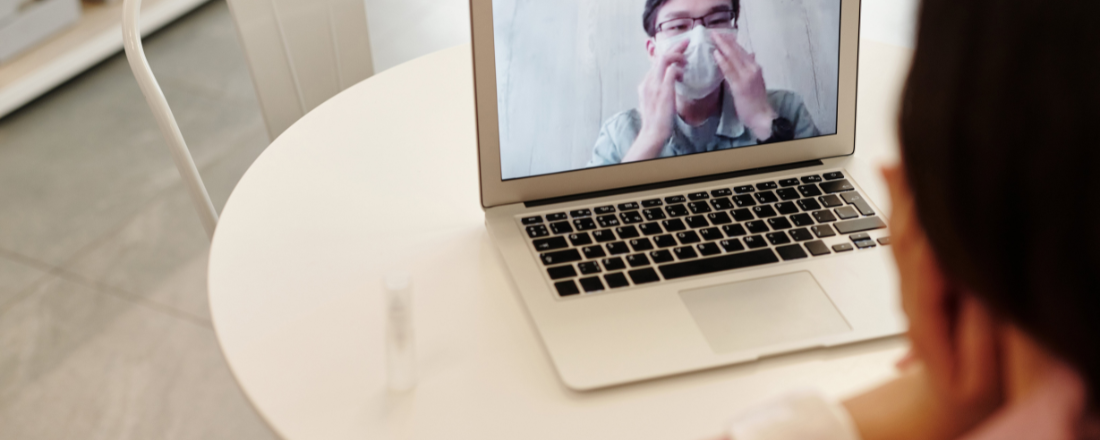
[(597, 83)]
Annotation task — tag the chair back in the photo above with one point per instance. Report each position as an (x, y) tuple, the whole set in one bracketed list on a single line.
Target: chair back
[(302, 52)]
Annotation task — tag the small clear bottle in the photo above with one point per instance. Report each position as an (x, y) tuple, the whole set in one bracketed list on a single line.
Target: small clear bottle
[(400, 338)]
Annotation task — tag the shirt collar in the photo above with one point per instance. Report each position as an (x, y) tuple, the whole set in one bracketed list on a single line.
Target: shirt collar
[(730, 126)]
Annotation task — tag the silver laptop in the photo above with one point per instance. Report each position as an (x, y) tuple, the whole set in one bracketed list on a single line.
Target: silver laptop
[(670, 182)]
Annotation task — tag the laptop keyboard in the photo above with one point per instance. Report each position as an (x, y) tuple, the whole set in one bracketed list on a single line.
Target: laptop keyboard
[(640, 242)]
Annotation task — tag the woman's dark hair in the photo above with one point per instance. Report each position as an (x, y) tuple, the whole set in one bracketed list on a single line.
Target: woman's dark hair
[(1000, 134), (649, 16)]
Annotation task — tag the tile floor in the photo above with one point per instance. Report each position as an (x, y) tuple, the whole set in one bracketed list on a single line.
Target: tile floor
[(104, 325)]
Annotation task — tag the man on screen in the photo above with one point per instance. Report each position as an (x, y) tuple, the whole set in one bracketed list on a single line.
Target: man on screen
[(703, 92)]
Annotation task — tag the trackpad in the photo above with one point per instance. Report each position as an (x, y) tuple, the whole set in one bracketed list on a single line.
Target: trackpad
[(765, 311)]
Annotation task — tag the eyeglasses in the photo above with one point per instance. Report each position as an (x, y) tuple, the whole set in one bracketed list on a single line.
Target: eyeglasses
[(713, 20)]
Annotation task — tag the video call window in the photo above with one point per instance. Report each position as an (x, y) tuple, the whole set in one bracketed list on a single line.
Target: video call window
[(594, 83)]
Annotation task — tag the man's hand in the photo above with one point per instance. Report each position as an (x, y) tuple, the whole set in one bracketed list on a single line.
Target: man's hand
[(657, 99), (746, 82)]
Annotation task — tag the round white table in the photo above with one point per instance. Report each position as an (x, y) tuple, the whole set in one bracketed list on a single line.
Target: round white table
[(384, 176)]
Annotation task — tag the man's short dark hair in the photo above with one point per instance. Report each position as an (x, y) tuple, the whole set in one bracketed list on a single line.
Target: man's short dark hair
[(649, 17)]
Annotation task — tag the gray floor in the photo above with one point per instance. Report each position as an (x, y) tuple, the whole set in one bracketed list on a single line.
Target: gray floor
[(105, 331)]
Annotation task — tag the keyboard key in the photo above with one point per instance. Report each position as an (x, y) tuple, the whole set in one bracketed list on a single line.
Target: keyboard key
[(779, 223), (604, 210), (802, 220), (566, 288), (616, 280), (702, 195), (699, 207), (846, 212), (549, 244), (764, 186), (707, 249), (653, 214), (722, 204), (607, 221), (824, 216), (673, 225), (617, 248), (809, 205), (744, 189), (721, 193), (834, 175), (755, 241), (710, 234), (801, 234), (560, 257), (685, 253), (811, 179), (604, 236), (792, 252), (734, 230), (788, 194), (632, 206), (809, 190), (764, 211), (697, 222), (591, 284), (743, 201), (766, 197), (665, 241), (580, 213), (637, 260), (643, 276), (641, 244), (626, 232), (818, 248), (588, 267), (831, 201), (556, 217), (584, 224), (786, 208), (532, 220), (860, 236), (688, 237), (537, 231), (853, 198), (836, 186), (757, 227), (675, 199), (631, 217), (823, 231), (719, 218), (651, 203), (732, 245), (843, 247), (651, 228), (580, 239), (777, 238), (676, 210), (788, 182), (885, 241), (662, 256), (612, 264), (863, 224), (865, 244), (718, 264), (561, 228), (742, 215), (592, 252), (557, 273)]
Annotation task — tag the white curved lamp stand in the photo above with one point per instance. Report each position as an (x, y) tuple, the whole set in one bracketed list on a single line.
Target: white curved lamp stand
[(135, 53)]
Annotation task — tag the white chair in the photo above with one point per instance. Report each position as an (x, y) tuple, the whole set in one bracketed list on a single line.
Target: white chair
[(300, 53)]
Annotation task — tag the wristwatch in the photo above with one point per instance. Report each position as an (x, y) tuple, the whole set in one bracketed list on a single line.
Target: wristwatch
[(782, 130)]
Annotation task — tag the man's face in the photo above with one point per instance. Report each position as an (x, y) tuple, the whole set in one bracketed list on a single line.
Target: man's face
[(684, 9)]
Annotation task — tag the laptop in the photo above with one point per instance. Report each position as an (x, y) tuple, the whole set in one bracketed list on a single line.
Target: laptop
[(671, 183)]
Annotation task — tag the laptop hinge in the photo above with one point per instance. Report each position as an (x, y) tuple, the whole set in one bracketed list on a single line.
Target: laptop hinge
[(672, 183)]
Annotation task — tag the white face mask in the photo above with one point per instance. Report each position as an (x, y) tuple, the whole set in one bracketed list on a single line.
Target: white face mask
[(702, 76)]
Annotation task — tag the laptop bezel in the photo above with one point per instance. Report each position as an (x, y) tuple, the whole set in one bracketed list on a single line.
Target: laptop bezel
[(496, 191)]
